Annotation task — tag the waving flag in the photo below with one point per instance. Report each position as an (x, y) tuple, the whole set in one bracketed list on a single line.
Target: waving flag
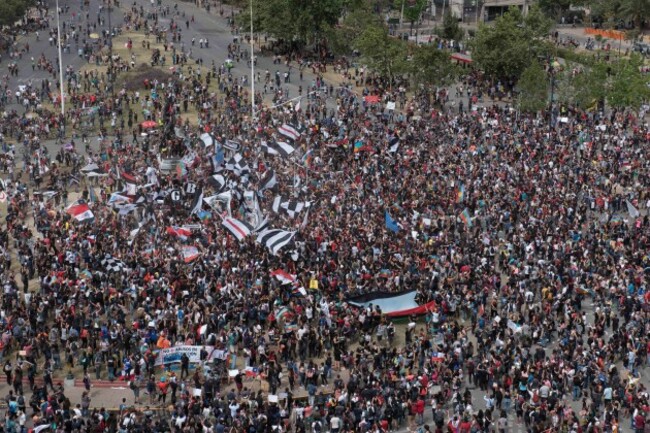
[(283, 276), (289, 206), (437, 357), (237, 165), (217, 182), (178, 231), (273, 147), (239, 229), (189, 253), (460, 194), (392, 304), (217, 159), (466, 218), (289, 131), (268, 182), (275, 239), (307, 158), (198, 203), (80, 211), (251, 371), (283, 314), (391, 224), (92, 197)]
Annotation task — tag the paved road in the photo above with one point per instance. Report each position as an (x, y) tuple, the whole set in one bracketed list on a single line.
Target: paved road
[(206, 25)]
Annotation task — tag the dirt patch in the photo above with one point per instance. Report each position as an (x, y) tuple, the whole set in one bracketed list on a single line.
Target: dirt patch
[(135, 78)]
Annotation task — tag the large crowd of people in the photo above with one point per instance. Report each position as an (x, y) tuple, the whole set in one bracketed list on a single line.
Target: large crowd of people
[(247, 236)]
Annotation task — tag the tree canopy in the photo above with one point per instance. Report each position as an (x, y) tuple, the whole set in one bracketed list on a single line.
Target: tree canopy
[(611, 12), (504, 50), (384, 54), (620, 84), (13, 10), (450, 28), (533, 88), (430, 66), (341, 37), (303, 21)]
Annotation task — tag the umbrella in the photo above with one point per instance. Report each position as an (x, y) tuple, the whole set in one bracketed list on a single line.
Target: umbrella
[(149, 124), (93, 36)]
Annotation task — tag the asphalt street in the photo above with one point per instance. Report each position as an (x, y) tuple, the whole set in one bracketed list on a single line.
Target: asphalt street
[(208, 25)]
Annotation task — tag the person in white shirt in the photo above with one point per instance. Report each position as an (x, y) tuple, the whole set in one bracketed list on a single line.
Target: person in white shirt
[(234, 407), (335, 424)]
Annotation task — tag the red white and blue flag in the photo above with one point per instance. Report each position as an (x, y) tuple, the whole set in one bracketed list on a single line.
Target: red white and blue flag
[(251, 371)]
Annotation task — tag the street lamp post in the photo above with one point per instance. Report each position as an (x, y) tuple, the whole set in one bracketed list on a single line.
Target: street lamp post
[(110, 47), (252, 67), (58, 38), (552, 73)]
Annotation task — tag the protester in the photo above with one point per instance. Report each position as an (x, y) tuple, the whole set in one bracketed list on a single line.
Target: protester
[(523, 241)]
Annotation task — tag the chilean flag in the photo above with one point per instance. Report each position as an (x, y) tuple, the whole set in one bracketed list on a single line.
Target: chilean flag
[(178, 231), (284, 277), (80, 211), (437, 357), (251, 371)]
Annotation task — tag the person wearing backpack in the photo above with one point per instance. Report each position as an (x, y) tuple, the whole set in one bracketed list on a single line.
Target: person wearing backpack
[(316, 426)]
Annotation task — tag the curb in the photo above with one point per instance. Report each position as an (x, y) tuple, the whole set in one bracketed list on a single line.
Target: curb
[(78, 383)]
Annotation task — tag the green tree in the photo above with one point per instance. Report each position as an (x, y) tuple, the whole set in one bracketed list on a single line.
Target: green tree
[(341, 37), (635, 11), (450, 28), (590, 85), (303, 21), (13, 10), (432, 67), (627, 86), (533, 88), (565, 91), (412, 9), (382, 53), (504, 50)]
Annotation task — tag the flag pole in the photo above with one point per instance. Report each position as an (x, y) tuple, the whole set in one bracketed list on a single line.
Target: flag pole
[(293, 99), (252, 67)]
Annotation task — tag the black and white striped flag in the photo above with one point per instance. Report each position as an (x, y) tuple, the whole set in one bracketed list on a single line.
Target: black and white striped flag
[(262, 225), (268, 182), (197, 204), (281, 148), (217, 182), (239, 229), (290, 207), (275, 239), (289, 131)]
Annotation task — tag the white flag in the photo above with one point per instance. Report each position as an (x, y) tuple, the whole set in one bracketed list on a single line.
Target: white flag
[(634, 212)]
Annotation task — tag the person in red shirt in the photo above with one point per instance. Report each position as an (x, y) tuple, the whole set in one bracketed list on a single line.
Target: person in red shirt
[(419, 411), (465, 426), (162, 389)]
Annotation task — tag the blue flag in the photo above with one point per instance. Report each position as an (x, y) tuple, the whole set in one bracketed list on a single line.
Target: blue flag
[(391, 224)]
